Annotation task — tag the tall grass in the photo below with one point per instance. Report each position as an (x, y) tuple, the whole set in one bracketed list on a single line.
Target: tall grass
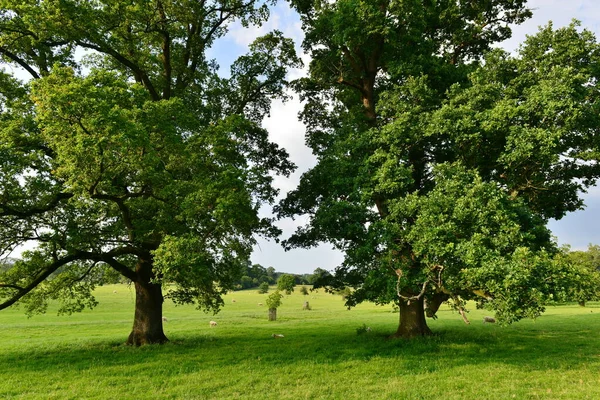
[(321, 356)]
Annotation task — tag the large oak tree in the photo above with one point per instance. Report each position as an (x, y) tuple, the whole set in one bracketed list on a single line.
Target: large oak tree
[(124, 152), (439, 160)]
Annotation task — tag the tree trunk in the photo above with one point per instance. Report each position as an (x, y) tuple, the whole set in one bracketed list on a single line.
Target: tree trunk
[(272, 314), (433, 303), (147, 323), (412, 320)]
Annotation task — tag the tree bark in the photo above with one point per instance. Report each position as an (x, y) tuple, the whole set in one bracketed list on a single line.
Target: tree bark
[(272, 314), (412, 320), (433, 304), (147, 323)]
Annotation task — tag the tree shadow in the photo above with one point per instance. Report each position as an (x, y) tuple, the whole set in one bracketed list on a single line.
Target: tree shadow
[(559, 343)]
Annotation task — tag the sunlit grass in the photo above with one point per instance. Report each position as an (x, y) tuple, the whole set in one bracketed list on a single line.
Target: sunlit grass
[(320, 357)]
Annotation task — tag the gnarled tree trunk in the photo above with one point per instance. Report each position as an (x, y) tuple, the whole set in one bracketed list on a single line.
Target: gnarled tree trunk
[(147, 321), (412, 320)]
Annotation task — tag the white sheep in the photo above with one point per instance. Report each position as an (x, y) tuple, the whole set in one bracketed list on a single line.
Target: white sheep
[(114, 291), (277, 335), (233, 300), (213, 323), (260, 304), (491, 320), (164, 319)]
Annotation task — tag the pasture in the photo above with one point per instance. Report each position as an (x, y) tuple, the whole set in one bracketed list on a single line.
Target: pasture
[(321, 356)]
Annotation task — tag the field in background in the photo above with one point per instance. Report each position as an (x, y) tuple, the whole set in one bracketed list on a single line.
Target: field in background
[(320, 357)]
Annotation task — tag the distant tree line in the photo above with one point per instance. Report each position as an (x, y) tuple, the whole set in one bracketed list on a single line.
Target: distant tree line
[(255, 274), (6, 264), (588, 263)]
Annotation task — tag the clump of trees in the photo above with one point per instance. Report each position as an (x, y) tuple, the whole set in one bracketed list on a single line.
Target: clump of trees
[(286, 283), (254, 275), (588, 285)]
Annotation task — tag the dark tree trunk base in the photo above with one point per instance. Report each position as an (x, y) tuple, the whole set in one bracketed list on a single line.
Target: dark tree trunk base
[(141, 339), (147, 323), (412, 320)]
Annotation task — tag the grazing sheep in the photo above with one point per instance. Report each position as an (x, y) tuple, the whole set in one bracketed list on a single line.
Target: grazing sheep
[(277, 335), (233, 300), (114, 291), (212, 323), (260, 304), (491, 320), (164, 319)]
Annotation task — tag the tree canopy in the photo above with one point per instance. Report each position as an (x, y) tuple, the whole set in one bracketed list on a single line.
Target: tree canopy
[(286, 283), (126, 152), (441, 160)]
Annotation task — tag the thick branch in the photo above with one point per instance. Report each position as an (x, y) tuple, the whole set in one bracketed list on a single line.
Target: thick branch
[(166, 52), (137, 71), (125, 213), (107, 258), (194, 48), (40, 278), (21, 62), (8, 211)]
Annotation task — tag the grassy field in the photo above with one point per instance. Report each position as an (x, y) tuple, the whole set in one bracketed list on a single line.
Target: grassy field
[(321, 356)]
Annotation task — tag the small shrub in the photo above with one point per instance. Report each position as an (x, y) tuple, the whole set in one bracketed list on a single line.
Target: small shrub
[(274, 299), (263, 288)]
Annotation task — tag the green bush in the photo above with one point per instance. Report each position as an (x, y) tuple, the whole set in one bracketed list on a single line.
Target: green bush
[(263, 288)]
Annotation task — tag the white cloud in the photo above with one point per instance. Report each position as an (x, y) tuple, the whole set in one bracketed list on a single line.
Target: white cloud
[(560, 12), (282, 18)]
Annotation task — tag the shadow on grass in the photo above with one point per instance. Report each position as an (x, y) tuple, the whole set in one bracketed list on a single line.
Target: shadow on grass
[(550, 344)]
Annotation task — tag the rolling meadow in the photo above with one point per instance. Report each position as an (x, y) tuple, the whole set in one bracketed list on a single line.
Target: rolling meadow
[(325, 353)]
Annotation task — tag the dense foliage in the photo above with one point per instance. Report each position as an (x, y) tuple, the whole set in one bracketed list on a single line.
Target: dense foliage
[(286, 283), (588, 279)]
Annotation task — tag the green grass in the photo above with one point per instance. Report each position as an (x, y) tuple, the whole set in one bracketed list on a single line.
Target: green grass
[(321, 356)]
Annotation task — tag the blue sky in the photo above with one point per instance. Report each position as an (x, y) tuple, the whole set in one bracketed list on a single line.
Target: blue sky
[(577, 229)]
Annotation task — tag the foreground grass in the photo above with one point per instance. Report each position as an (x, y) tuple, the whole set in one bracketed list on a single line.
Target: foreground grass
[(321, 356)]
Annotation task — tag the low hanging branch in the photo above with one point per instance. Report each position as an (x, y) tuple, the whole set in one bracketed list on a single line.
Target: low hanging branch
[(439, 284), (461, 310), (409, 298)]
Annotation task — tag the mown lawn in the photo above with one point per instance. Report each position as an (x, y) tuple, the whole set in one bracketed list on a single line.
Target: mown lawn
[(321, 356)]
